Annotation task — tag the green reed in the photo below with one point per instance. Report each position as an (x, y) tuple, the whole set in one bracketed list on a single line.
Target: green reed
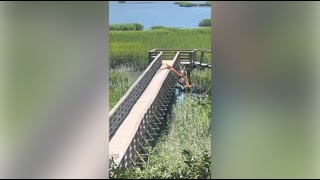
[(201, 80), (119, 83), (130, 48)]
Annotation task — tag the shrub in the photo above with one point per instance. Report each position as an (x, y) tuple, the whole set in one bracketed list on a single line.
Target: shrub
[(207, 3), (126, 27), (205, 22), (185, 4)]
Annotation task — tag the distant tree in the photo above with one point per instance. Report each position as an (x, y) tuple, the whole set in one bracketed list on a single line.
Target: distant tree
[(205, 22)]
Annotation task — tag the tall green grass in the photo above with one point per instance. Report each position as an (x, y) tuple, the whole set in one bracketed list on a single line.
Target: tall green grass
[(119, 83), (130, 48), (183, 151), (201, 81), (159, 27)]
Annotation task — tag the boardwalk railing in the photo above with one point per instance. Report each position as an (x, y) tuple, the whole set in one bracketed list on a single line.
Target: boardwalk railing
[(202, 54), (187, 56), (149, 121), (122, 108)]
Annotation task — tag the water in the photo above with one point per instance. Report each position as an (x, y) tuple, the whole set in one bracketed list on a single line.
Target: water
[(157, 13)]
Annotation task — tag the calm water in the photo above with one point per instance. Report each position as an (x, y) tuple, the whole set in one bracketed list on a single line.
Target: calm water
[(154, 13)]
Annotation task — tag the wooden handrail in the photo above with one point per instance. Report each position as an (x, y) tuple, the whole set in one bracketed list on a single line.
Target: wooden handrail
[(128, 95)]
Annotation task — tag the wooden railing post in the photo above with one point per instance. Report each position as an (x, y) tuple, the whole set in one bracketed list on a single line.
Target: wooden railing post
[(191, 60), (202, 56), (153, 54)]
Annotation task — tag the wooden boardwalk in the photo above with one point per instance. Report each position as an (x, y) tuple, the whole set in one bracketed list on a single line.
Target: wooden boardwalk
[(130, 125)]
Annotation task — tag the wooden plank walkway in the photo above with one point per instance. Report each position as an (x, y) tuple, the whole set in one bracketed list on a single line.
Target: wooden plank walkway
[(126, 132)]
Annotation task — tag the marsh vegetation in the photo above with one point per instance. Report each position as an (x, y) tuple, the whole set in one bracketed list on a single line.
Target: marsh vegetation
[(183, 148)]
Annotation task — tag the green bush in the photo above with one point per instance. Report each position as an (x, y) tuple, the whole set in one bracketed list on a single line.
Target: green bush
[(185, 4), (205, 22), (126, 27), (207, 3)]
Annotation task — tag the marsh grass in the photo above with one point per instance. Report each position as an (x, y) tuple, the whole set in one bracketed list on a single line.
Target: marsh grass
[(201, 80), (188, 129), (184, 147), (159, 27), (130, 48), (119, 83), (183, 150)]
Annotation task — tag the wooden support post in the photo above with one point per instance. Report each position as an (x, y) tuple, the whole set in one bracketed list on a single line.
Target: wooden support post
[(201, 58), (150, 59), (191, 63)]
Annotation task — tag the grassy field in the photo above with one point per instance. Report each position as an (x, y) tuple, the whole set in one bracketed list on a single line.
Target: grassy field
[(130, 48)]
